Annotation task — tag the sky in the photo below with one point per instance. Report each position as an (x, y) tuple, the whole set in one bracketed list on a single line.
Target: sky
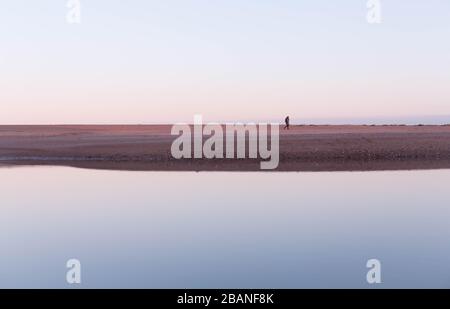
[(148, 61)]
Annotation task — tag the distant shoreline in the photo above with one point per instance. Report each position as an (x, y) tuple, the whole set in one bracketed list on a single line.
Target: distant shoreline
[(303, 148)]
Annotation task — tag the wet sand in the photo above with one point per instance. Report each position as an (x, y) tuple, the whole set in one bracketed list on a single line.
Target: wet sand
[(303, 148)]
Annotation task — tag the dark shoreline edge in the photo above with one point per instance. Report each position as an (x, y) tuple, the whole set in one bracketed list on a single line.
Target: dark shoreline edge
[(205, 165)]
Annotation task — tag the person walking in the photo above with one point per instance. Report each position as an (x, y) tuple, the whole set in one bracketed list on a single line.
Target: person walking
[(286, 121)]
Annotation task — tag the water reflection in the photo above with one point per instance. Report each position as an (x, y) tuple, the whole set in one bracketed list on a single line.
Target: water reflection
[(223, 230)]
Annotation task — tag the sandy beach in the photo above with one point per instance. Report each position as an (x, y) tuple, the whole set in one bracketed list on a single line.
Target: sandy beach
[(303, 148)]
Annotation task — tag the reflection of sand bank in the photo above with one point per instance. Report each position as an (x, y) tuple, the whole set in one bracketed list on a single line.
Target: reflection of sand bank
[(303, 148)]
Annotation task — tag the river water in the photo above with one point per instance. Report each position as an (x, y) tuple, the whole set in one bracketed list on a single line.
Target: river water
[(223, 229)]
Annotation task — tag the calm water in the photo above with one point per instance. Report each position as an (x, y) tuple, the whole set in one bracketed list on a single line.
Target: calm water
[(223, 230)]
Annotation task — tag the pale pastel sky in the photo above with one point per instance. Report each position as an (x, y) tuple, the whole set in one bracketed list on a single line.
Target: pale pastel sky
[(148, 61)]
